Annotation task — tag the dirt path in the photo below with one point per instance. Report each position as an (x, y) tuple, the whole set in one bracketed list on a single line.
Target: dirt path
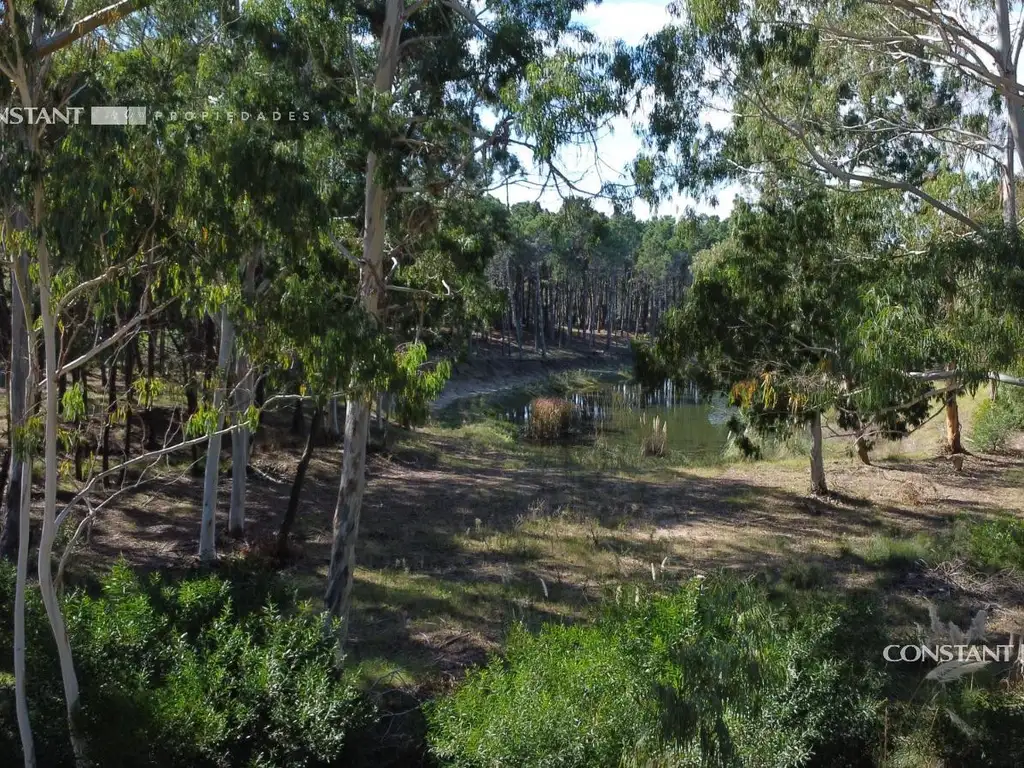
[(490, 371)]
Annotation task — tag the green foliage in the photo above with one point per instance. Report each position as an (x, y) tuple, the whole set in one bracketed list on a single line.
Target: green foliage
[(997, 421), (713, 675), (566, 697), (414, 386), (962, 724), (178, 674), (992, 544), (72, 406), (773, 319)]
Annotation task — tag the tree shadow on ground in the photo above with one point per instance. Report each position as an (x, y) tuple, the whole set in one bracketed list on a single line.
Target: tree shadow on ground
[(458, 540)]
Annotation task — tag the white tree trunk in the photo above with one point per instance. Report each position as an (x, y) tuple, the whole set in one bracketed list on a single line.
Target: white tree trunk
[(240, 449), (357, 412), (20, 693), (20, 485), (243, 400), (49, 526), (1012, 100), (208, 526), (818, 485), (347, 513)]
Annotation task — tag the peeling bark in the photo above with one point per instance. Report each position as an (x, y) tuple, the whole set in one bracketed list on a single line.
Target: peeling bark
[(953, 444), (357, 412)]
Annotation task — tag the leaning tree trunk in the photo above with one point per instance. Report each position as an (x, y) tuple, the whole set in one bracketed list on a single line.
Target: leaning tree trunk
[(208, 525), (357, 412), (818, 485), (300, 476)]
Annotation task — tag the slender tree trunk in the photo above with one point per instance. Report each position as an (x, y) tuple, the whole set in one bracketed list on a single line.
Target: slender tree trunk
[(953, 444), (242, 401), (81, 446), (818, 485), (593, 316), (516, 320), (18, 497), (298, 416), (163, 351), (23, 507), (357, 413), (333, 425), (1013, 104), (208, 525), (240, 452), (540, 315), (111, 413), (49, 522), (18, 401), (129, 370), (149, 415), (300, 476), (191, 406)]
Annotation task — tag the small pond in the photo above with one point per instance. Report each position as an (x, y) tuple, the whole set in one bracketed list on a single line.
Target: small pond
[(612, 408)]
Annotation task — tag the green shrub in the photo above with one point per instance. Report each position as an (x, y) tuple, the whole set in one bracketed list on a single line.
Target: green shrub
[(991, 545), (995, 421), (712, 675), (176, 675), (960, 724), (565, 697)]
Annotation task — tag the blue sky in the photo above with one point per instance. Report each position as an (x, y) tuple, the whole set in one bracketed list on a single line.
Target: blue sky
[(630, 21)]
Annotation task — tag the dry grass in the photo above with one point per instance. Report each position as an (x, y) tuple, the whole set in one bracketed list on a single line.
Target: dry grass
[(654, 439), (464, 531), (550, 418)]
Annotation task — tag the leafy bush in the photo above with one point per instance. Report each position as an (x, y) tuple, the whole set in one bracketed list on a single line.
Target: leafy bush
[(963, 724), (995, 421), (176, 675), (550, 418), (989, 544), (714, 675)]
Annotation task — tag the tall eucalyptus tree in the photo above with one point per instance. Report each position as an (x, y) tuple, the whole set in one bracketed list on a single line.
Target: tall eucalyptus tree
[(433, 68)]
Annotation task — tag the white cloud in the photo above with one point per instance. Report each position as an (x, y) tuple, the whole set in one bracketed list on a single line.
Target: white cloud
[(626, 20)]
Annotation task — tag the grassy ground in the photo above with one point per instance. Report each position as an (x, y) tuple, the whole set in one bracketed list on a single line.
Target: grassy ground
[(466, 529)]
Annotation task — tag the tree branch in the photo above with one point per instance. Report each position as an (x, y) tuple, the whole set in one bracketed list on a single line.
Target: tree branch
[(103, 17)]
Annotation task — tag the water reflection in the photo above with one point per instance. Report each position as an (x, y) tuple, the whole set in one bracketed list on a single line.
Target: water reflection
[(613, 413)]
